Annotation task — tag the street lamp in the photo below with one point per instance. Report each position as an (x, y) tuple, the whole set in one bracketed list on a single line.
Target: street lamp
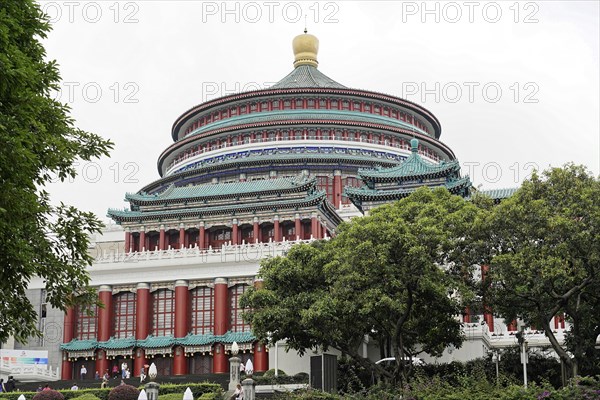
[(496, 357), (523, 343)]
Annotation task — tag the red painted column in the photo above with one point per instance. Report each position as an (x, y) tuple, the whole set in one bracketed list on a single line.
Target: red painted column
[(127, 240), (255, 230), (142, 324), (297, 226), (201, 236), (143, 239), (66, 371), (261, 357), (487, 310), (337, 188), (181, 325), (104, 325), (235, 232), (276, 229), (467, 315), (512, 327), (161, 238), (314, 228), (221, 301), (181, 236)]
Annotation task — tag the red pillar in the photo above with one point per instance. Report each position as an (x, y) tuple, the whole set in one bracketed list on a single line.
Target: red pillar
[(512, 327), (488, 316), (201, 236), (234, 233), (181, 237), (467, 315), (261, 357), (220, 362), (161, 238), (142, 324), (181, 325), (314, 227), (127, 241), (143, 239), (337, 188), (255, 231), (297, 226), (104, 325), (66, 370), (276, 230)]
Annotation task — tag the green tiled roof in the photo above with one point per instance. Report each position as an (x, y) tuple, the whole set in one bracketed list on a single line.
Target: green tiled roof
[(173, 193), (121, 215), (240, 337), (197, 340), (155, 342), (116, 344), (79, 345), (307, 76), (499, 194), (414, 166), (365, 193)]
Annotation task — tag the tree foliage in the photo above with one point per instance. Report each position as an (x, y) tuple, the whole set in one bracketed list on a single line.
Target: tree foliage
[(380, 277), (39, 141), (545, 259)]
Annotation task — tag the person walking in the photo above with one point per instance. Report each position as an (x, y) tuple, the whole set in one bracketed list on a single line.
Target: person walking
[(82, 372)]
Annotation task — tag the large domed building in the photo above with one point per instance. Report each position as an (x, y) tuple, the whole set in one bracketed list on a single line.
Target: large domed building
[(247, 176)]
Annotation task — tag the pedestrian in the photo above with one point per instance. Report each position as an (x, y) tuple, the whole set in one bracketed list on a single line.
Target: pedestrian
[(74, 387), (2, 389), (123, 369), (142, 374), (10, 384), (97, 375), (82, 372), (105, 379), (46, 387), (115, 371)]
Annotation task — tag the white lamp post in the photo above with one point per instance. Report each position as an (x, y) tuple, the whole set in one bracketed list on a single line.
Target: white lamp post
[(152, 387), (234, 366), (143, 395)]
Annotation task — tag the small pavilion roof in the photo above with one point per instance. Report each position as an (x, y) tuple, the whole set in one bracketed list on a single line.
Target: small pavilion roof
[(118, 343), (365, 193), (79, 345), (413, 167), (498, 194), (307, 76), (221, 190)]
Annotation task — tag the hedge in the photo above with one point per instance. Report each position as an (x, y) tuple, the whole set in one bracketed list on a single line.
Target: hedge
[(198, 389)]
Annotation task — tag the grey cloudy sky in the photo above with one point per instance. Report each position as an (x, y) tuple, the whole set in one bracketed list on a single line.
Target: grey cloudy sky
[(514, 84)]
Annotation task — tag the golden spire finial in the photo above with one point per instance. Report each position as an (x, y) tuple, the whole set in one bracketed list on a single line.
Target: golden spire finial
[(306, 47)]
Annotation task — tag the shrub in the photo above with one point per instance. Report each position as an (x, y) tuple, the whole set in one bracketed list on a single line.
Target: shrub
[(86, 396), (49, 395), (271, 373), (171, 396), (124, 392), (198, 389)]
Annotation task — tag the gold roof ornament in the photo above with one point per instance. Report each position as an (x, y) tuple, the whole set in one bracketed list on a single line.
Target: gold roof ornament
[(306, 47)]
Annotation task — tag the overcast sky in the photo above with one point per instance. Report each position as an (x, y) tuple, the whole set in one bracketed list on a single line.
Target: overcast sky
[(515, 85)]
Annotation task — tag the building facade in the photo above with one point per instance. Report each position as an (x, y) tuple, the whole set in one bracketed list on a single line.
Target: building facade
[(247, 176)]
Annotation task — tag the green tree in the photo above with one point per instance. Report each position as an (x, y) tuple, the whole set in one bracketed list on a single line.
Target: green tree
[(39, 140), (545, 258), (381, 277)]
